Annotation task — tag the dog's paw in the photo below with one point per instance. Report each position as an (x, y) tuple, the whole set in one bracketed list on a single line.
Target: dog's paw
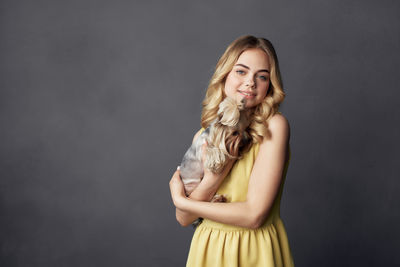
[(219, 198)]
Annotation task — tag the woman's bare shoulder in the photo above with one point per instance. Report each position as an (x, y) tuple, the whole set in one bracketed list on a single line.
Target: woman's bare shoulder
[(278, 140), (278, 122), (278, 126)]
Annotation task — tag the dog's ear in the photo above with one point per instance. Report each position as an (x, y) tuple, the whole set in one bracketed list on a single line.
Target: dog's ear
[(215, 159), (229, 112)]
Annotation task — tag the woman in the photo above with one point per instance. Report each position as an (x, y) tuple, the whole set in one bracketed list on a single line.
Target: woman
[(247, 230)]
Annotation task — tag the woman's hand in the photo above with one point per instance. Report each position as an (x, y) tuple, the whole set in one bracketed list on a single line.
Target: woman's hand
[(176, 187)]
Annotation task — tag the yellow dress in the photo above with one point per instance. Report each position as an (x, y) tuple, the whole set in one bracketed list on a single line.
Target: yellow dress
[(216, 244)]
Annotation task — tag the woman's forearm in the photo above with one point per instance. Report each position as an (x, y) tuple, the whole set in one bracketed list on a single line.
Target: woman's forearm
[(237, 213), (205, 191)]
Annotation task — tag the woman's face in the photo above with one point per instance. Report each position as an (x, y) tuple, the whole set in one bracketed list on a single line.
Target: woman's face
[(249, 77)]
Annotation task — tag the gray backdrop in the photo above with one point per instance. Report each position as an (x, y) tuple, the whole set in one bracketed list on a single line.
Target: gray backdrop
[(100, 99)]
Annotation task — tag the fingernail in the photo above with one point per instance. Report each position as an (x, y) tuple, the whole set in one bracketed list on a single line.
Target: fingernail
[(178, 168)]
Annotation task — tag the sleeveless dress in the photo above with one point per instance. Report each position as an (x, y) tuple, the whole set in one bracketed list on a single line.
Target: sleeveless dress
[(216, 244)]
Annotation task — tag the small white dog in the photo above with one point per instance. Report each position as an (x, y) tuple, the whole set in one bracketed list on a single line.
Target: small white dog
[(226, 138)]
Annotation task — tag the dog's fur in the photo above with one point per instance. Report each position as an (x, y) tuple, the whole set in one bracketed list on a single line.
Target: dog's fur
[(226, 139)]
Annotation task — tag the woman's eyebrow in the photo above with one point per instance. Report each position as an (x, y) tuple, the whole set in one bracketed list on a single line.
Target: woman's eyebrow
[(244, 66)]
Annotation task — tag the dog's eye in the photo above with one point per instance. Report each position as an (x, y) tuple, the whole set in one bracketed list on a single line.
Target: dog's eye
[(235, 133)]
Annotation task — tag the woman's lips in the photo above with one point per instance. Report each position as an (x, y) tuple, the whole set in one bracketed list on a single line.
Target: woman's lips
[(247, 94)]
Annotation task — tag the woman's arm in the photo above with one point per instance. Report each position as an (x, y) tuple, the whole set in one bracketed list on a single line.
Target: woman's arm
[(205, 191), (263, 186)]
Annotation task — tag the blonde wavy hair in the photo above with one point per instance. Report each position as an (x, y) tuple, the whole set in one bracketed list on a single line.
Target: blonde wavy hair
[(258, 128)]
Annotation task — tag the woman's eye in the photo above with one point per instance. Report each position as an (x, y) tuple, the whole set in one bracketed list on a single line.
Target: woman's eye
[(241, 72), (262, 77)]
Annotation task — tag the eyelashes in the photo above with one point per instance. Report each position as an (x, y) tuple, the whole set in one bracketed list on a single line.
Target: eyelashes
[(242, 72), (263, 78)]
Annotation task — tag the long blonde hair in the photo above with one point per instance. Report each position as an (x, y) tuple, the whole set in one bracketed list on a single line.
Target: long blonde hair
[(258, 128)]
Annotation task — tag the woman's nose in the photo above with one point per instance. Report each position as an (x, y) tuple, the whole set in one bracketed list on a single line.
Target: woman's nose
[(250, 82)]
